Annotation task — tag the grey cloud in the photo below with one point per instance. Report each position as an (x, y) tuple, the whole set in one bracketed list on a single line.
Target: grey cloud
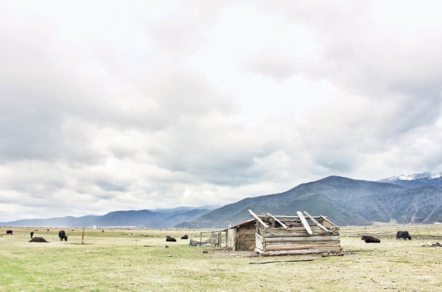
[(152, 114)]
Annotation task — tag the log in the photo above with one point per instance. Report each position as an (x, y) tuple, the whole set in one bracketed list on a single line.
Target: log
[(325, 218), (274, 218), (291, 229), (258, 219), (299, 252), (297, 233), (299, 247), (288, 217), (300, 243), (289, 261), (295, 239), (316, 222), (304, 222)]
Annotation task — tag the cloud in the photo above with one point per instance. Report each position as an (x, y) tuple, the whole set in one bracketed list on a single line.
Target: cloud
[(149, 105)]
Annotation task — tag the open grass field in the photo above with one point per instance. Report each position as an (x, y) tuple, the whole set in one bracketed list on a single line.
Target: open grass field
[(137, 260)]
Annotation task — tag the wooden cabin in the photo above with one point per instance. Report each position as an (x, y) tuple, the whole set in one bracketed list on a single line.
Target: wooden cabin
[(271, 235), (242, 235)]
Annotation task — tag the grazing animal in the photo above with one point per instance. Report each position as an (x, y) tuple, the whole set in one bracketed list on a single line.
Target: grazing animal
[(170, 239), (62, 235), (48, 230), (9, 232), (32, 235), (185, 237), (403, 234), (102, 230), (370, 239)]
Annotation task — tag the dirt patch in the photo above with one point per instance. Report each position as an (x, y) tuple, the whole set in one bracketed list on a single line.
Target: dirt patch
[(38, 239)]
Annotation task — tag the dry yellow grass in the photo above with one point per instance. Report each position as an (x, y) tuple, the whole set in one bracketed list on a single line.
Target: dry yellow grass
[(137, 260)]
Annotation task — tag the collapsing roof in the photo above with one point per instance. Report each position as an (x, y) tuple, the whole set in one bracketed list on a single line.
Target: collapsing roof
[(271, 234)]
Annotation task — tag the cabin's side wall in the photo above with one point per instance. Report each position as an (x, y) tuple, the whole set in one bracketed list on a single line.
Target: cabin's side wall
[(296, 240), (245, 237)]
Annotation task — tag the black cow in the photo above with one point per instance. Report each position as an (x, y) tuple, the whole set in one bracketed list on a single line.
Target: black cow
[(9, 232), (403, 234), (170, 239), (32, 235), (370, 239), (185, 237), (62, 235)]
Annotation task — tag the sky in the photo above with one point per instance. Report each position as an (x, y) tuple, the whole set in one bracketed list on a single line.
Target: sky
[(129, 105)]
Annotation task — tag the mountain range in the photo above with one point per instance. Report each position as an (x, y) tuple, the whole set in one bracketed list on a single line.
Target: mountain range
[(401, 199), (344, 201), (157, 218), (415, 180)]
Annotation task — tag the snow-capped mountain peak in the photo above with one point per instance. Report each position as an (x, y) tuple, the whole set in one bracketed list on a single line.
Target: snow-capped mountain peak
[(415, 176)]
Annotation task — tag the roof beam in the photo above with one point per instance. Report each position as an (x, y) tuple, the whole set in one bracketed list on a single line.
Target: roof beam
[(277, 220), (257, 218), (305, 223), (316, 222), (325, 218)]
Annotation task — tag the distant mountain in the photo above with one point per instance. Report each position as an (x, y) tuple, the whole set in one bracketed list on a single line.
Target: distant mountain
[(415, 180), (177, 218), (186, 208), (166, 219), (408, 177), (344, 201)]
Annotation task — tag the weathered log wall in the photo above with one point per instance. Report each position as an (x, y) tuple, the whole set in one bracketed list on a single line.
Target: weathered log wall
[(296, 240)]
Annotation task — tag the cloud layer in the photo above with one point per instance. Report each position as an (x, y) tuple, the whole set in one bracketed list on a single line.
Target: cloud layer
[(109, 106)]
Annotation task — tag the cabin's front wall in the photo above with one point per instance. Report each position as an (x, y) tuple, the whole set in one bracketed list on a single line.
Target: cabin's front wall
[(296, 240), (245, 237)]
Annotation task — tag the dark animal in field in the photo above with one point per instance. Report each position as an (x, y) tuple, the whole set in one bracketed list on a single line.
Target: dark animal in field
[(38, 239), (32, 235), (48, 230), (62, 235), (370, 239), (403, 234), (9, 232), (170, 239), (102, 230), (185, 237)]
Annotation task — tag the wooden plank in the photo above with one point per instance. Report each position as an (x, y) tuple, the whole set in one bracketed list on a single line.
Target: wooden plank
[(258, 219), (310, 238), (316, 222), (304, 222), (299, 252), (298, 234), (300, 228), (303, 242), (299, 247), (289, 261), (259, 241), (277, 220), (325, 218), (288, 217), (299, 231)]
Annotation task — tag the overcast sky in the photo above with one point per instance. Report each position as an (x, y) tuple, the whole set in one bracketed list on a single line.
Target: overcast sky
[(119, 105)]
